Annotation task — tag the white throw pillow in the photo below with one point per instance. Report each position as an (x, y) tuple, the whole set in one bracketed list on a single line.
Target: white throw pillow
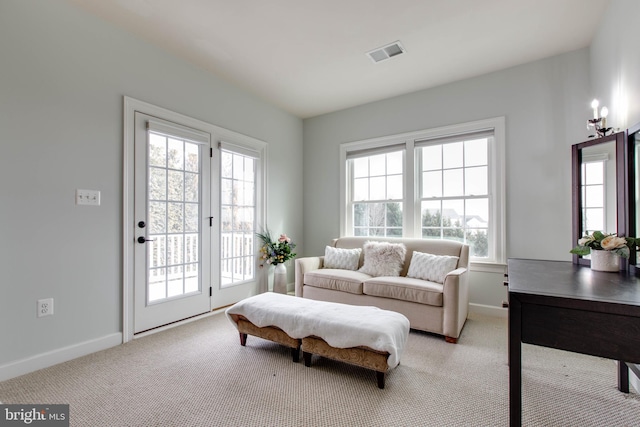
[(431, 267), (344, 259), (383, 258)]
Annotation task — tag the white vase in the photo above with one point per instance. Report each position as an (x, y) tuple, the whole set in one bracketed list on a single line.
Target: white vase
[(280, 279), (605, 261)]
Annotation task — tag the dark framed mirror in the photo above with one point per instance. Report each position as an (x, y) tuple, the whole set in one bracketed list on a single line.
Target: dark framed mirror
[(633, 191), (599, 188)]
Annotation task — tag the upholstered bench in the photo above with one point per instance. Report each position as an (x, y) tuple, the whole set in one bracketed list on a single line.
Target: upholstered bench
[(365, 336)]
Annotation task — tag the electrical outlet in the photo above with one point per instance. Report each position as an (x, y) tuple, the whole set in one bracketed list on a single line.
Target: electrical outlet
[(88, 197), (45, 307)]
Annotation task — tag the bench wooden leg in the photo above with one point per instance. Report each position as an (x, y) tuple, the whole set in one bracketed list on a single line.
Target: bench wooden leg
[(451, 340), (243, 339), (295, 354), (307, 358), (380, 377)]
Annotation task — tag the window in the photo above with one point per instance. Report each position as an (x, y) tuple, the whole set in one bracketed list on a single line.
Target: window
[(238, 178), (444, 183), (377, 194), (593, 191), (454, 191)]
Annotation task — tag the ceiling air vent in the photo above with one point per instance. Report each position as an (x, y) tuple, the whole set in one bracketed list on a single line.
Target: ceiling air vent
[(386, 52)]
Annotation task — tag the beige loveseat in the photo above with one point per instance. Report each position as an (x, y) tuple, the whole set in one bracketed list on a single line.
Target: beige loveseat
[(440, 308)]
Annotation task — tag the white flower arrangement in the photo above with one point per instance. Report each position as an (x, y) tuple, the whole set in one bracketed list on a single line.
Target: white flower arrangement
[(605, 242)]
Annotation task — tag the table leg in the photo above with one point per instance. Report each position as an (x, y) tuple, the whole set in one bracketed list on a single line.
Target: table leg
[(380, 378), (623, 377), (515, 362)]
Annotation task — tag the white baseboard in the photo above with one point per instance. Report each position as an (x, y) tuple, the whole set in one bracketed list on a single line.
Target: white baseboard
[(53, 357), (489, 310)]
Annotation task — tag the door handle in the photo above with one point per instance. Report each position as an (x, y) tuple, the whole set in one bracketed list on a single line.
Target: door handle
[(143, 239)]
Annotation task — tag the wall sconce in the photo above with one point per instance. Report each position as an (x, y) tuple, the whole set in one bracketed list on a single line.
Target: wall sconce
[(599, 121)]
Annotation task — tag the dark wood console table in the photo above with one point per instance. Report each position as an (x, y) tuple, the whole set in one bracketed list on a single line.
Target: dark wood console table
[(570, 307)]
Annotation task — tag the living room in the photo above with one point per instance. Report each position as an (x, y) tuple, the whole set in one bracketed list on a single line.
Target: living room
[(66, 71)]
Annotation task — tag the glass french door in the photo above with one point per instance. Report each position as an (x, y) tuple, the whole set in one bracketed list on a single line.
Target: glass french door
[(172, 268)]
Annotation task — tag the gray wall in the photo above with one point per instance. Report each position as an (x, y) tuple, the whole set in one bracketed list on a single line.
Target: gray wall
[(63, 75), (615, 63), (545, 105)]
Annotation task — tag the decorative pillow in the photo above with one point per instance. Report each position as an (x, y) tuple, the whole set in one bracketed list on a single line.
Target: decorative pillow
[(431, 267), (344, 259), (383, 258)]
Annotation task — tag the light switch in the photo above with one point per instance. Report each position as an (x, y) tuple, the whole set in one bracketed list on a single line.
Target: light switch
[(88, 197)]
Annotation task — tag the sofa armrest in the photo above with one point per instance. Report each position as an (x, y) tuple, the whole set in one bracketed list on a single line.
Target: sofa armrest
[(302, 266), (455, 301)]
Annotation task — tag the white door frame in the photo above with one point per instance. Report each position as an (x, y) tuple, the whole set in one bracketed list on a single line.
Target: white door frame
[(132, 105)]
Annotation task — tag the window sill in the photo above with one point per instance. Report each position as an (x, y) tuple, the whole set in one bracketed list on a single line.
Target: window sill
[(488, 267)]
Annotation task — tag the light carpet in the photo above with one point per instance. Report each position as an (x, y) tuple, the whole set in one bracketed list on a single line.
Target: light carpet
[(199, 375)]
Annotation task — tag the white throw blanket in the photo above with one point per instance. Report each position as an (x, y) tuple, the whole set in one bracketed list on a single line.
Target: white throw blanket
[(340, 325)]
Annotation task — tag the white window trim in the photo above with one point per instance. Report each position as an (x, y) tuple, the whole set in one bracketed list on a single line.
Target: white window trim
[(496, 179)]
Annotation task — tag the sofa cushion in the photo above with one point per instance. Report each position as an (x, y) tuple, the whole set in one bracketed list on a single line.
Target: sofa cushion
[(339, 280), (345, 259), (406, 289), (383, 258), (431, 267)]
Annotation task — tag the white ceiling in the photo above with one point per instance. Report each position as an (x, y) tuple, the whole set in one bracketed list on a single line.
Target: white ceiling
[(308, 57)]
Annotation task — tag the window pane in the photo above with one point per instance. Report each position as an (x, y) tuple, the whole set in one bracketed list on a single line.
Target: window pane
[(192, 152), (361, 189), (360, 167), (238, 193), (157, 184), (594, 173), (225, 219), (478, 243), (394, 215), (452, 213), (432, 157), (432, 184), (226, 192), (360, 215), (477, 213), (394, 187), (175, 155), (476, 181), (475, 152), (191, 217), (191, 189), (452, 155), (377, 214), (157, 150), (377, 189), (226, 162), (394, 163), (594, 196), (176, 217), (453, 185), (249, 196), (377, 165), (237, 218), (594, 220), (249, 169), (238, 167), (176, 185), (157, 217)]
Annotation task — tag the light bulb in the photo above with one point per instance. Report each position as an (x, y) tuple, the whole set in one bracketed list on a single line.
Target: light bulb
[(604, 113), (594, 105)]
